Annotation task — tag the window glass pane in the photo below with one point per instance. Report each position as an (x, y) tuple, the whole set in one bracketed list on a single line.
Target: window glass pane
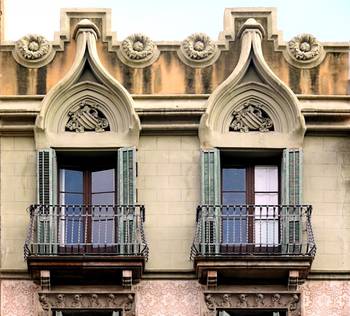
[(266, 232), (72, 225), (102, 181), (234, 225), (266, 178), (102, 198), (103, 229), (71, 198), (233, 198), (71, 180), (266, 198), (233, 179)]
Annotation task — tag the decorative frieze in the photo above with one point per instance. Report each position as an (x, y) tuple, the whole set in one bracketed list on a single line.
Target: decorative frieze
[(216, 301), (33, 51), (87, 118), (251, 118), (121, 301)]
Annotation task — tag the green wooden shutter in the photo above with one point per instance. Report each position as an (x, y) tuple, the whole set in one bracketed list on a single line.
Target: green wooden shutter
[(292, 199), (210, 195), (127, 198), (46, 198)]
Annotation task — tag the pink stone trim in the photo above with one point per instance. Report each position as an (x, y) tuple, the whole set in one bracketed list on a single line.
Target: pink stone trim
[(326, 298), (168, 298), (18, 298)]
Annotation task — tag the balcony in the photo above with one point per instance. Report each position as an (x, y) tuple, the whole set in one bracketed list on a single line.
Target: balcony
[(264, 243), (74, 241)]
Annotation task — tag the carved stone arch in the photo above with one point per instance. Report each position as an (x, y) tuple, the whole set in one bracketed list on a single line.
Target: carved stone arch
[(88, 92), (252, 81), (257, 94), (110, 104)]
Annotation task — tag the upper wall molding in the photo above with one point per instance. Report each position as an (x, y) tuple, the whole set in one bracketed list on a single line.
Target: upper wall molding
[(197, 50)]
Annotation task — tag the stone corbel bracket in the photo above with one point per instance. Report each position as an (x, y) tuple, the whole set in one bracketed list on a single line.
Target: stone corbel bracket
[(61, 301), (214, 301)]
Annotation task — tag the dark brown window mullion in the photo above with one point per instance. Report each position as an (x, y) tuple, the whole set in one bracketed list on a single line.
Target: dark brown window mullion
[(251, 201), (87, 211)]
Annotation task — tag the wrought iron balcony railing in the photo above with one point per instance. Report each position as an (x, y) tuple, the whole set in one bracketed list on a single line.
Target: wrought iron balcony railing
[(231, 230), (115, 230)]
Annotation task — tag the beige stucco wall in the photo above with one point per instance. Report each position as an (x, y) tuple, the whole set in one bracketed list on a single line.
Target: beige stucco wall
[(168, 185), (327, 188), (18, 174)]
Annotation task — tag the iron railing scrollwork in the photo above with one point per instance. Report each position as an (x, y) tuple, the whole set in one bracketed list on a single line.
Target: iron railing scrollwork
[(223, 230), (86, 230)]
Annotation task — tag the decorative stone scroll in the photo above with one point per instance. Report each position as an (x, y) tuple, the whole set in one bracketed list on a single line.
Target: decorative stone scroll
[(87, 118), (251, 118), (281, 301), (121, 301), (33, 51)]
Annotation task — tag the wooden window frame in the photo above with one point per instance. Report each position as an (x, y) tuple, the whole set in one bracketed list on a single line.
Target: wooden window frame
[(249, 164)]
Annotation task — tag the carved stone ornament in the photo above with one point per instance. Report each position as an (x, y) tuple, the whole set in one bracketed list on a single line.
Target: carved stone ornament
[(251, 118), (219, 301), (33, 51), (87, 118), (138, 47), (304, 47), (33, 46), (198, 46), (123, 301)]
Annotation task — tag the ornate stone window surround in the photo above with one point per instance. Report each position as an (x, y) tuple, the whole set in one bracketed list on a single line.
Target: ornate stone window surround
[(51, 301), (215, 301), (114, 102)]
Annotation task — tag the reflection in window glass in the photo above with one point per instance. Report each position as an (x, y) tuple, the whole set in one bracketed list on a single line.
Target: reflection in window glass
[(102, 181), (71, 180), (233, 179)]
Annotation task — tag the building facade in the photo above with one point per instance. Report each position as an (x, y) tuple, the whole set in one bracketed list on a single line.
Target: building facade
[(202, 177)]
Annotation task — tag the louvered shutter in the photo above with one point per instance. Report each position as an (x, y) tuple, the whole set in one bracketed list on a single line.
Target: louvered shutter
[(127, 199), (211, 195), (46, 199), (292, 199)]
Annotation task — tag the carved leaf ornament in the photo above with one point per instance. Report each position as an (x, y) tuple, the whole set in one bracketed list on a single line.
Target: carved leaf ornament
[(87, 118), (251, 118)]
